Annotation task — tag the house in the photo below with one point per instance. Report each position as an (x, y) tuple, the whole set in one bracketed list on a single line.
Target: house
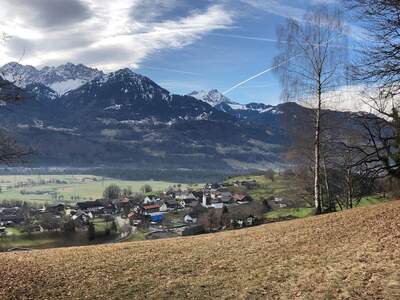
[(192, 204), (189, 219), (189, 199), (122, 205), (82, 217), (149, 209), (95, 206), (216, 204), (241, 198), (11, 216), (186, 196), (198, 194), (225, 197), (163, 207), (249, 184), (151, 199), (56, 209), (244, 215), (213, 186), (172, 204), (195, 213)]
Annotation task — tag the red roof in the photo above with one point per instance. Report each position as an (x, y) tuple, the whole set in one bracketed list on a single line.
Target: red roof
[(239, 197), (151, 206)]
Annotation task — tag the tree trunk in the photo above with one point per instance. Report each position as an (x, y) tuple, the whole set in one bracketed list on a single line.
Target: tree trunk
[(332, 204), (317, 154)]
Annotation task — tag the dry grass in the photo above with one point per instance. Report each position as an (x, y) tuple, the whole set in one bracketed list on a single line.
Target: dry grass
[(349, 255)]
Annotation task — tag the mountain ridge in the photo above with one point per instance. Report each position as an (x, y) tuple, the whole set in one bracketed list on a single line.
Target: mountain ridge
[(61, 79), (124, 118)]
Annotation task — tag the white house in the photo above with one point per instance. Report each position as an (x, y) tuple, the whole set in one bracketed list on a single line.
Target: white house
[(189, 219), (163, 207)]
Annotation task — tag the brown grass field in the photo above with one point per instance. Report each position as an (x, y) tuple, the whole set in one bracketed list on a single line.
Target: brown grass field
[(348, 255)]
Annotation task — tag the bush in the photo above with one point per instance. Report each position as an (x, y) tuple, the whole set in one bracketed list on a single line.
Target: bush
[(146, 188), (112, 192)]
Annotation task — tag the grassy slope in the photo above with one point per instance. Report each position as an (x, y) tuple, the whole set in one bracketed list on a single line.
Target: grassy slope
[(353, 255), (267, 187), (281, 187)]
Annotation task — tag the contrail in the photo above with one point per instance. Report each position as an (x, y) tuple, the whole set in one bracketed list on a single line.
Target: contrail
[(267, 70), (245, 37), (257, 75)]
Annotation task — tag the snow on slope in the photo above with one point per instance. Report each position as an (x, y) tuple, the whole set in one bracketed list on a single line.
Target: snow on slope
[(213, 97), (61, 87), (61, 79)]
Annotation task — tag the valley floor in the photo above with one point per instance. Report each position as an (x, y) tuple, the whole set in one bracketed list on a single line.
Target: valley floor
[(353, 254)]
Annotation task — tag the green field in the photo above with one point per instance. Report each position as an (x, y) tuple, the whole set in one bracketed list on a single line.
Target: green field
[(72, 188), (267, 188), (281, 187), (291, 213)]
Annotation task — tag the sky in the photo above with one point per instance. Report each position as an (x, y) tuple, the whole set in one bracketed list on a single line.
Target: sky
[(183, 45)]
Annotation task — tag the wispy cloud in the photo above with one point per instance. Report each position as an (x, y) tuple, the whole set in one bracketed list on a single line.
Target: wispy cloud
[(286, 9), (169, 70), (107, 34), (276, 7)]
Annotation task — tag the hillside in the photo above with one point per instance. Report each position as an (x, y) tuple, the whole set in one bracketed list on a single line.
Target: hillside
[(349, 255)]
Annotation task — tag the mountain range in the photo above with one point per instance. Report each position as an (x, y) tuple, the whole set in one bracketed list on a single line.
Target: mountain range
[(73, 115)]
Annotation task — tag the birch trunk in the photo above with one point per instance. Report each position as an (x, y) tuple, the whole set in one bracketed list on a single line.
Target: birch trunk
[(317, 154)]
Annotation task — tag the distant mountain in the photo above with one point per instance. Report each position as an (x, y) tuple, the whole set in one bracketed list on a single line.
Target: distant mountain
[(255, 112), (126, 119), (125, 96), (61, 79), (213, 97)]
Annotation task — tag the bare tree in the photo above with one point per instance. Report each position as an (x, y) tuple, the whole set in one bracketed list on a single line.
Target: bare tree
[(378, 68), (312, 62)]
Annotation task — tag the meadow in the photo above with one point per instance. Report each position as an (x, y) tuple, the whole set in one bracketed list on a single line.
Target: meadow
[(282, 187), (352, 254), (41, 189)]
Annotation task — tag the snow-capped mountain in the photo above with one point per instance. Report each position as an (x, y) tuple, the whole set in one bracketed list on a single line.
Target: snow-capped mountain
[(127, 96), (225, 104), (213, 97), (127, 119), (60, 79)]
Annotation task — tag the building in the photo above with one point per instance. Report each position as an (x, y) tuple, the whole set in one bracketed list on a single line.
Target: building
[(241, 198), (151, 208), (95, 207)]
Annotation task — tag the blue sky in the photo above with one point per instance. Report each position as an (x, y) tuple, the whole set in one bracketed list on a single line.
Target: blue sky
[(183, 45)]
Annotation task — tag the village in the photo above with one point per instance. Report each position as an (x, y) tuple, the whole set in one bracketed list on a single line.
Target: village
[(175, 211)]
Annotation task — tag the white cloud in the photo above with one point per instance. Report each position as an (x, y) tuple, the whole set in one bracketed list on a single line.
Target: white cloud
[(288, 10), (353, 98), (276, 7), (108, 34)]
